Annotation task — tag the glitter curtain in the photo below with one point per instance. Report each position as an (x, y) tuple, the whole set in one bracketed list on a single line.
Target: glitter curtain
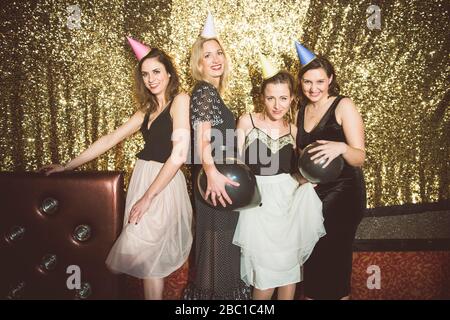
[(66, 76)]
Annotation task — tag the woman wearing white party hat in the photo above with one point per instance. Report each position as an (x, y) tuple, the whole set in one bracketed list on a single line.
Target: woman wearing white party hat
[(215, 272)]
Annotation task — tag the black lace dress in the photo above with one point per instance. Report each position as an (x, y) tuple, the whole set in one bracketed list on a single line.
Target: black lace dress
[(216, 271)]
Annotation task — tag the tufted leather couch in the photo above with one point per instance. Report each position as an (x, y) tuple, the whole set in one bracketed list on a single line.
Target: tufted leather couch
[(55, 234)]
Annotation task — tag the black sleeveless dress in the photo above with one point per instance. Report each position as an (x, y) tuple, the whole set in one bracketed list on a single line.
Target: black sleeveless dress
[(327, 273), (160, 131), (215, 273), (161, 242)]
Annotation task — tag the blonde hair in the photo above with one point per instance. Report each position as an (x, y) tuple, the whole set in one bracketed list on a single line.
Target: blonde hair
[(196, 56)]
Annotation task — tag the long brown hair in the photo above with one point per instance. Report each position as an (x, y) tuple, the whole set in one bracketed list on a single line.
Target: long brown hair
[(325, 64), (196, 56), (147, 102)]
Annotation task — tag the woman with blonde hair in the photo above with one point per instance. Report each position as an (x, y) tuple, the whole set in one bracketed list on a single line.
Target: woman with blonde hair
[(216, 272)]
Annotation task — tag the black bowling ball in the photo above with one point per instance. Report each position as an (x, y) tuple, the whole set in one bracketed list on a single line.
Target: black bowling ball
[(245, 196), (314, 172)]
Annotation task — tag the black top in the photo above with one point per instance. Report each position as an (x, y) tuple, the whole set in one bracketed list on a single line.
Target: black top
[(327, 129), (208, 106), (267, 156), (158, 139)]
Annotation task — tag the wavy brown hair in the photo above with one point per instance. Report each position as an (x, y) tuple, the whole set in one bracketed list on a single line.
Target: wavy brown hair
[(146, 100), (325, 64)]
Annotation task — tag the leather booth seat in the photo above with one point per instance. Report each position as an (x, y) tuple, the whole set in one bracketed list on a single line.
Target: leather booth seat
[(56, 232)]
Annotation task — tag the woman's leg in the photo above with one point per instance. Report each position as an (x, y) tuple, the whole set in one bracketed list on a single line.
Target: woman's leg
[(262, 294), (153, 288), (286, 292)]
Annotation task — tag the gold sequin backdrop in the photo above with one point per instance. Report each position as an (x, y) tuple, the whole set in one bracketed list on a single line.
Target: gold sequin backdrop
[(64, 83)]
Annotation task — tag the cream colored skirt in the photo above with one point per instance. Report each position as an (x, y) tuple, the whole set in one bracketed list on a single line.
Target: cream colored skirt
[(161, 242), (278, 237)]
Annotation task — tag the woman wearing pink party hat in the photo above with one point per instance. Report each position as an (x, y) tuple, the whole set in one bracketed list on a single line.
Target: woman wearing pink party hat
[(333, 121), (156, 237)]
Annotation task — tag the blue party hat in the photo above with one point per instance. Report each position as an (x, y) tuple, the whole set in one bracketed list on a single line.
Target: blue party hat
[(304, 54)]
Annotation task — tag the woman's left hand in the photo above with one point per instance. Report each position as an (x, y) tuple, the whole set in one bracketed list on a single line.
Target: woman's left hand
[(139, 209), (327, 151)]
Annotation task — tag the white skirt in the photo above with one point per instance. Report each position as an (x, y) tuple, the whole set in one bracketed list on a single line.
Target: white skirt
[(278, 237), (160, 243)]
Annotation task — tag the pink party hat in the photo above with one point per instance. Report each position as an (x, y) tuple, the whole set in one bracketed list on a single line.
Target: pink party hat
[(140, 50), (208, 30)]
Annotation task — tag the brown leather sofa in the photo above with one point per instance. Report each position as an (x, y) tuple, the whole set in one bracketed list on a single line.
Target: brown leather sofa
[(57, 230)]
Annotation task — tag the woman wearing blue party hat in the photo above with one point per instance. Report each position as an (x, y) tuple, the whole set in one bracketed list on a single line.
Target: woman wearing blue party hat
[(333, 122)]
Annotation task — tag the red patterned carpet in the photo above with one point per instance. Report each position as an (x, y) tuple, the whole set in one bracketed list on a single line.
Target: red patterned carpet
[(174, 285), (403, 276)]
